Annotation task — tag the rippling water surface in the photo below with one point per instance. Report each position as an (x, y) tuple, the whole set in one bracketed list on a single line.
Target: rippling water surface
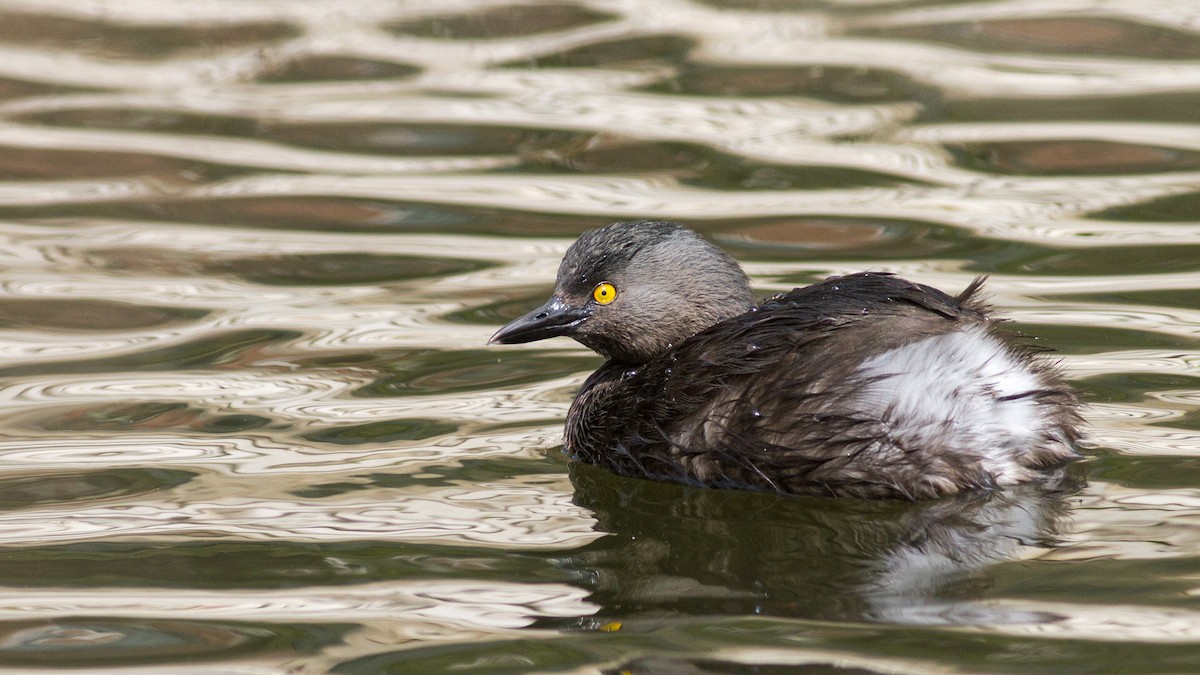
[(252, 252)]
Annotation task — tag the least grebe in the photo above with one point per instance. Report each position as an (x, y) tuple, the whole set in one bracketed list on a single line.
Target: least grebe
[(862, 385)]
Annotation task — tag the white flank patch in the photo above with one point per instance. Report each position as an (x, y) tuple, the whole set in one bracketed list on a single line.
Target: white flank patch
[(946, 393)]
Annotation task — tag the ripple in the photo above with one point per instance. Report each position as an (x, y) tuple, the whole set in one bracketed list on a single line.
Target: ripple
[(1064, 157), (1126, 412), (311, 398), (964, 73), (762, 39), (387, 431), (508, 21), (67, 243), (1179, 136), (417, 139), (19, 163), (621, 51), (469, 605), (1180, 323), (244, 392), (1179, 208), (33, 193), (1180, 17), (255, 454), (88, 315), (1069, 232), (253, 253), (208, 351), (327, 268), (183, 292), (755, 126), (137, 416), (437, 372), (89, 453), (430, 609), (1133, 439), (1051, 35), (90, 642), (518, 514), (308, 68), (841, 84), (140, 150), (91, 485), (1134, 361), (1110, 521), (131, 40), (993, 205), (1103, 623)]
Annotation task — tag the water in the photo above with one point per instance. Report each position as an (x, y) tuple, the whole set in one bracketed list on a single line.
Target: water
[(252, 253)]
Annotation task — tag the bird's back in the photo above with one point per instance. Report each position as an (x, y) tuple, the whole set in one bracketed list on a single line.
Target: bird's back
[(863, 385)]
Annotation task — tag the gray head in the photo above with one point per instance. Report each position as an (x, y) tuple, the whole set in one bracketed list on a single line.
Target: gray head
[(632, 290)]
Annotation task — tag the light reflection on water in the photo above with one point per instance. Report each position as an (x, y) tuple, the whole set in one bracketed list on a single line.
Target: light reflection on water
[(253, 252), (509, 515)]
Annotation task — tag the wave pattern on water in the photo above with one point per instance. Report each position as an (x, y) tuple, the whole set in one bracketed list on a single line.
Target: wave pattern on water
[(253, 252)]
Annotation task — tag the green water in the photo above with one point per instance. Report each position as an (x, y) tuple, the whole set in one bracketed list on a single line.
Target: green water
[(253, 252)]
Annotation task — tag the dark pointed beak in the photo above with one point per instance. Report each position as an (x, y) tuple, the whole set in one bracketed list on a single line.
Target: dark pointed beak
[(552, 319)]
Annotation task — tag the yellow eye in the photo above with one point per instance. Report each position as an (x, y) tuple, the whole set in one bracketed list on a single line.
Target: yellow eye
[(604, 293)]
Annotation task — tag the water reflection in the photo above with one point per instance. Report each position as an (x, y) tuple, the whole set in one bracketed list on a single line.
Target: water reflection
[(673, 549), (81, 642), (1054, 35), (131, 41), (253, 251), (63, 488), (505, 21)]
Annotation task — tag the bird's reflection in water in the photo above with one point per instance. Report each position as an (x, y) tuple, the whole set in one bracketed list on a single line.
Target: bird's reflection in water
[(675, 550)]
